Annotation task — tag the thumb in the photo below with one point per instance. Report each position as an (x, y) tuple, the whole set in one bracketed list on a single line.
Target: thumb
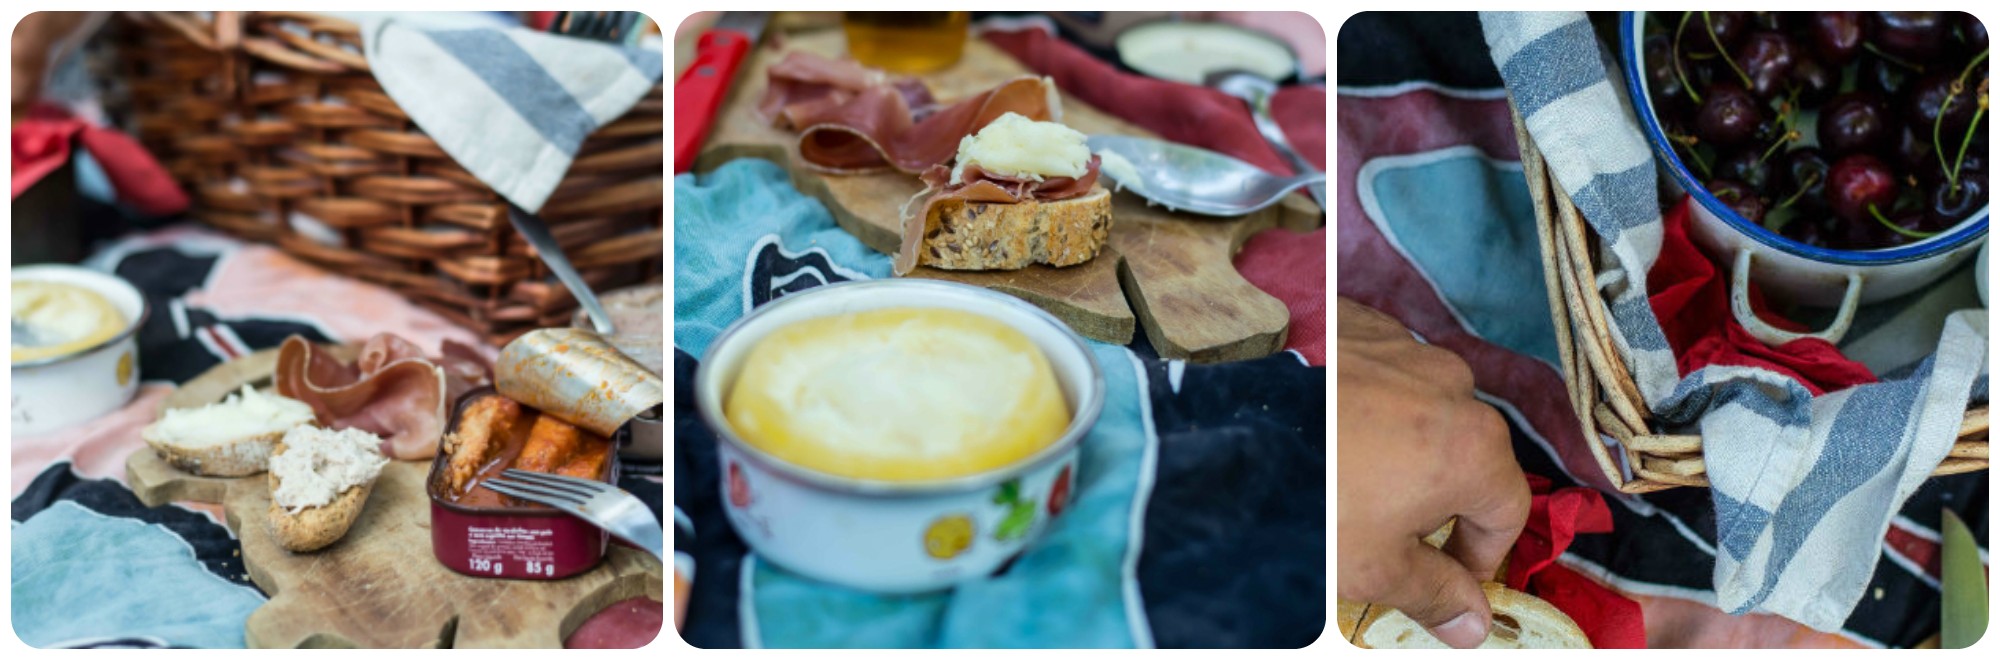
[(1439, 594)]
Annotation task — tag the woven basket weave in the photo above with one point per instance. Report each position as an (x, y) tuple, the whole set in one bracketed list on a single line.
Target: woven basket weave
[(275, 127), (1601, 389)]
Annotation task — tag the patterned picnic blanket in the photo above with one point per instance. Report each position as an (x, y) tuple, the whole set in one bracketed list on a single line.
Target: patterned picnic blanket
[(1422, 109), (92, 566)]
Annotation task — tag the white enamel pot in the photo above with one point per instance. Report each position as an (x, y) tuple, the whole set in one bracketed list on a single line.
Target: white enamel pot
[(896, 536), (58, 392), (1785, 269)]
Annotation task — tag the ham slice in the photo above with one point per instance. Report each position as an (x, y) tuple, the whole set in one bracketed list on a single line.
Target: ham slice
[(979, 185), (852, 119), (391, 389)]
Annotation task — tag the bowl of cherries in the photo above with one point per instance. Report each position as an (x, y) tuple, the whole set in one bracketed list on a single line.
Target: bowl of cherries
[(1835, 157)]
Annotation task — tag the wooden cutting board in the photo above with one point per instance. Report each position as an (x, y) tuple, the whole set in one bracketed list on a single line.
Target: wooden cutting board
[(1169, 273), (380, 586)]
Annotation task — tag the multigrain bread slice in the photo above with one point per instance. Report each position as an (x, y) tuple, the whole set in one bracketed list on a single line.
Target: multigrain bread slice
[(996, 236), (1520, 621), (320, 481), (233, 438)]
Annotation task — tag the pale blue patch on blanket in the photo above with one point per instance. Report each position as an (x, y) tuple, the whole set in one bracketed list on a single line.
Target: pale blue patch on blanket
[(719, 219), (1442, 213), (162, 590)]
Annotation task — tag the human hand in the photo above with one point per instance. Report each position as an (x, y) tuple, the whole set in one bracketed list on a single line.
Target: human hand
[(1415, 450)]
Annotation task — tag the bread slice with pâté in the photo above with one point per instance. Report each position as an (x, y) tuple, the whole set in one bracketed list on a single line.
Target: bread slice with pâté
[(231, 438)]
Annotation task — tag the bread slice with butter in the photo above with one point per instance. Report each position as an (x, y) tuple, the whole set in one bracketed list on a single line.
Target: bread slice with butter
[(233, 438), (1020, 192)]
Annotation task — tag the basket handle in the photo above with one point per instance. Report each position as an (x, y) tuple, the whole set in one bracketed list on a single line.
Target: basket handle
[(1739, 303)]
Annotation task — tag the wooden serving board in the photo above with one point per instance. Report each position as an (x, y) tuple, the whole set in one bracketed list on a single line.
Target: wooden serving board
[(1166, 272), (380, 586)]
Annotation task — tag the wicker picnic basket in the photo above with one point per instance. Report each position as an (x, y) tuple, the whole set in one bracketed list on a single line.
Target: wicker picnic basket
[(274, 125), (1601, 390)]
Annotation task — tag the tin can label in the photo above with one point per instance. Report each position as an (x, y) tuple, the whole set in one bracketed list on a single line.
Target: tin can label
[(490, 550)]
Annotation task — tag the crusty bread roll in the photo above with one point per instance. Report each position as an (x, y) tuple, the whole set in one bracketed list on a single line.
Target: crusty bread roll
[(232, 438), (1520, 621), (320, 481), (992, 236)]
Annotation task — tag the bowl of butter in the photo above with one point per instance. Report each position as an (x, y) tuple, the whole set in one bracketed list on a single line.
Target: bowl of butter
[(897, 436), (74, 346)]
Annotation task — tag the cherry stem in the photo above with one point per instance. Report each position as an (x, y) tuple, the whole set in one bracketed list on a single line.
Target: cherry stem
[(1717, 40), (1811, 178), (1937, 126), (1891, 58), (1789, 136), (1892, 226), (1676, 54)]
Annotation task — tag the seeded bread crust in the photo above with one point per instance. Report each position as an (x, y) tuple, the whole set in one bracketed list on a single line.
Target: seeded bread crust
[(1520, 621), (990, 236)]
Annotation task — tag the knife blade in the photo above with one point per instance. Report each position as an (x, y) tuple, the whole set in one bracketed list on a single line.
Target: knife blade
[(699, 92)]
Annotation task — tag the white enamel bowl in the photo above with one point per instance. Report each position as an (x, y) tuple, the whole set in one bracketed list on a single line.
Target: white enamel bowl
[(896, 537), (58, 392)]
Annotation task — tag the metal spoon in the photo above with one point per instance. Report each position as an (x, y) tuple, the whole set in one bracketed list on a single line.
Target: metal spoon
[(1256, 90), (1196, 180), (545, 244)]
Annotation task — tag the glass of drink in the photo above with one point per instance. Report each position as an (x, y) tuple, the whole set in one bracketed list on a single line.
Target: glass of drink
[(906, 41)]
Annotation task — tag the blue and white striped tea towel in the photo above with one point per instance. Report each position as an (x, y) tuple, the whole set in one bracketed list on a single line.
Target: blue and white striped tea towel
[(510, 105), (1804, 487)]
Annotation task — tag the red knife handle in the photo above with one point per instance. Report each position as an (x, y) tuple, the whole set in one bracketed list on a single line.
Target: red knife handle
[(699, 92)]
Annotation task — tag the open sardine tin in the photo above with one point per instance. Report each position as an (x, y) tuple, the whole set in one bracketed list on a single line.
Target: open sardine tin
[(579, 377)]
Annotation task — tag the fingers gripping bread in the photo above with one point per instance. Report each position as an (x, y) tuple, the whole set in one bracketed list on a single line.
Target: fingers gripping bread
[(1520, 621)]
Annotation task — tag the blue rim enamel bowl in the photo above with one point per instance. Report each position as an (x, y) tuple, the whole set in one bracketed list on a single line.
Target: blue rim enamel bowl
[(1784, 268)]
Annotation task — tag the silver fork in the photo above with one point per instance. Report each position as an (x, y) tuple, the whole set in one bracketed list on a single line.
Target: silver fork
[(602, 504)]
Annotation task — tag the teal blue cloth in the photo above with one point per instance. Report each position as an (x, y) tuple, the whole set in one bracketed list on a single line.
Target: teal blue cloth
[(77, 575), (1069, 589)]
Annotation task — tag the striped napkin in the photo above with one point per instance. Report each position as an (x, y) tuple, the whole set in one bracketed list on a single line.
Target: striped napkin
[(510, 105), (1804, 487)]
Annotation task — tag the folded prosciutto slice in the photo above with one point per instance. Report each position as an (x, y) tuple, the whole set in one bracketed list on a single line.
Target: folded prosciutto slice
[(979, 185), (852, 119), (392, 389)]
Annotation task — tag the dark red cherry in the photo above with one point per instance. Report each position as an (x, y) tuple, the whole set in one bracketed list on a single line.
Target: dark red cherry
[(1729, 116), (1852, 122), (1814, 82), (1947, 206), (1738, 197), (1836, 35), (1669, 95), (1857, 182), (1931, 96), (1913, 149), (1705, 28), (1804, 168), (1915, 36), (1971, 34), (1748, 167), (1882, 76), (1768, 58), (1803, 229)]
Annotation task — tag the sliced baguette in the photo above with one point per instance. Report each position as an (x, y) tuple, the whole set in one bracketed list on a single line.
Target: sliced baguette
[(1520, 621), (992, 236), (315, 527), (232, 438)]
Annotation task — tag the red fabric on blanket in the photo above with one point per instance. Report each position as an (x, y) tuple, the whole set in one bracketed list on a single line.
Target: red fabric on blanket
[(1611, 621), (1690, 295), (42, 145), (1288, 265)]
